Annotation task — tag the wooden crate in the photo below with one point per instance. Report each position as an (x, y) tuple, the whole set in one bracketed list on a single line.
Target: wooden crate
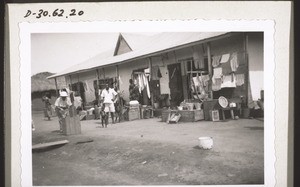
[(133, 114), (191, 115), (71, 125), (186, 115)]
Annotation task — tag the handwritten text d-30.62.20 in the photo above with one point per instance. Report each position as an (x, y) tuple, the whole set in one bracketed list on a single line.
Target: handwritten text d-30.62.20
[(55, 13)]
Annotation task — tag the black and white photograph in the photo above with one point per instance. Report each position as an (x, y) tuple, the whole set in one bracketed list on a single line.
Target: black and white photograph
[(147, 108), (136, 94)]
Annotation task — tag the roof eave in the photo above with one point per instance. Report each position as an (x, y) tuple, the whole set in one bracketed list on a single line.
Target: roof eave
[(228, 34)]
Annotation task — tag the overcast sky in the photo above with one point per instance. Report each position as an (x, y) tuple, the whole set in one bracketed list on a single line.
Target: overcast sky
[(56, 52)]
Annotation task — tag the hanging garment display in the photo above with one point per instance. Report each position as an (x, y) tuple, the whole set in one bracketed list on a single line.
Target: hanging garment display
[(201, 64), (216, 85), (88, 87), (217, 73), (225, 58), (234, 62), (229, 81), (240, 79), (141, 82), (216, 61), (156, 74), (205, 79), (196, 81)]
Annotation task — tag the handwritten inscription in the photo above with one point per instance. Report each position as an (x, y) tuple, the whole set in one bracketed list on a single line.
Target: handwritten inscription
[(55, 13)]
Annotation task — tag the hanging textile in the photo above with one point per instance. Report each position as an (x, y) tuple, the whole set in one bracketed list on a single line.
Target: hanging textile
[(156, 74), (201, 64), (217, 73), (147, 70), (85, 86), (148, 89), (240, 79), (225, 58), (234, 62), (146, 84), (141, 82), (88, 88), (216, 86), (159, 75), (226, 69), (229, 81), (216, 61), (196, 63), (205, 79)]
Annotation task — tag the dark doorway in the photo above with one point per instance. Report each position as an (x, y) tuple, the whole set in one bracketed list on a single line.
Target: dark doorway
[(79, 87), (175, 84)]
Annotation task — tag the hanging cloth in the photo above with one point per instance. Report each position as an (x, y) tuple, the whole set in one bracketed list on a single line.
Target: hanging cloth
[(229, 81), (148, 90), (156, 75), (234, 62), (141, 82), (85, 86), (145, 84), (205, 79), (216, 61), (216, 85), (201, 64), (240, 79), (196, 63), (225, 58), (217, 73), (196, 81)]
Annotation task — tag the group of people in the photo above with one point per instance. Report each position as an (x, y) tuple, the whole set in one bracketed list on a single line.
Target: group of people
[(107, 100)]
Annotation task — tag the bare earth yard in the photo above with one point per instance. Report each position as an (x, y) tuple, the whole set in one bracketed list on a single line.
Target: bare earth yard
[(150, 152)]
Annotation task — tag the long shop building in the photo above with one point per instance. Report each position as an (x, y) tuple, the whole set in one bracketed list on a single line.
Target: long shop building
[(170, 68)]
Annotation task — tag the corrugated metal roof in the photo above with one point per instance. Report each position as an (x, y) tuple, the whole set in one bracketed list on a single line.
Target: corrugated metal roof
[(154, 44)]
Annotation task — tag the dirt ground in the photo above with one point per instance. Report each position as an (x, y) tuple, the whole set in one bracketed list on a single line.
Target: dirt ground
[(150, 152)]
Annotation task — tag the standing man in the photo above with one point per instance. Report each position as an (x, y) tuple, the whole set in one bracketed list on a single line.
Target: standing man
[(62, 105), (108, 97)]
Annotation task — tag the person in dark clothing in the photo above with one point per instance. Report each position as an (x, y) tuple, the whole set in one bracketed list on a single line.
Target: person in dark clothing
[(47, 110)]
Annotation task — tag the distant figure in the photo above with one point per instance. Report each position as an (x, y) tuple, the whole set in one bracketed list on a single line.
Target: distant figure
[(62, 105), (48, 109), (108, 97)]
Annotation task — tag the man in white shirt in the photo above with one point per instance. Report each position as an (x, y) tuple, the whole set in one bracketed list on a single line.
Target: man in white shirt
[(108, 96), (62, 105)]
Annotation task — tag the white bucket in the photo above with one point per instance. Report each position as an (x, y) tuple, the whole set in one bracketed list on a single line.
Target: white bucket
[(206, 142)]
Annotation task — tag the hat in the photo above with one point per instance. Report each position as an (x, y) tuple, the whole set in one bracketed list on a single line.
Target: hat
[(63, 94)]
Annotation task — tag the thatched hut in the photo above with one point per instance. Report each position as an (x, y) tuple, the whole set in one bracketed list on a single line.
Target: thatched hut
[(40, 85)]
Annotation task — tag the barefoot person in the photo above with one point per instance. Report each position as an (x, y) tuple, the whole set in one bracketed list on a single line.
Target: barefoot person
[(108, 96), (62, 105)]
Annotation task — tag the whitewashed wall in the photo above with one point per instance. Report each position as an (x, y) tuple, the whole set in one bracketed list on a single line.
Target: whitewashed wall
[(256, 63)]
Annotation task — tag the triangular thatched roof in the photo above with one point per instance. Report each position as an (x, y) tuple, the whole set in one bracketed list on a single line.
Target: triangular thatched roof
[(39, 82)]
